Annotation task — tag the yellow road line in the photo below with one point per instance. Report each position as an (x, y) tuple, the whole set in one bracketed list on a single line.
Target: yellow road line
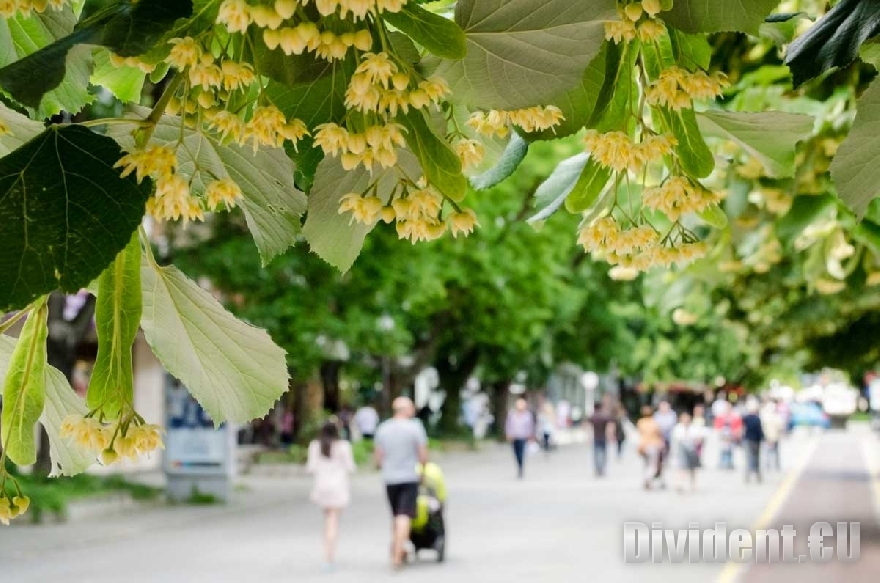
[(732, 571), (872, 462)]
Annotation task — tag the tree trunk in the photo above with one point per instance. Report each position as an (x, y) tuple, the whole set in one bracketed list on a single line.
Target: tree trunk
[(452, 379), (499, 391), (330, 370)]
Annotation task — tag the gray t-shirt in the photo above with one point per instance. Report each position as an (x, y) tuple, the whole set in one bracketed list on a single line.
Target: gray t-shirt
[(399, 440)]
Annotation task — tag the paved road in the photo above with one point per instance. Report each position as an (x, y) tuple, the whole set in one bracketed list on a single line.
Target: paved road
[(559, 524)]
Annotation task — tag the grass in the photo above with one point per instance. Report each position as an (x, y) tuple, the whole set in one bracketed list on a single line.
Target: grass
[(861, 416), (53, 495)]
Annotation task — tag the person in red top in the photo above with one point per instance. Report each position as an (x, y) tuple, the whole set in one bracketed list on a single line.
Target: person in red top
[(728, 424)]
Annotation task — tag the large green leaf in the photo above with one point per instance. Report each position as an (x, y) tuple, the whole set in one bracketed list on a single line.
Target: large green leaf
[(124, 82), (694, 155), (21, 130), (334, 237), (719, 15), (555, 189), (65, 212), (834, 40), (127, 27), (691, 51), (856, 165), (524, 52), (24, 388), (769, 136), (588, 188), (233, 369), (513, 155), (67, 74), (61, 401), (117, 317), (612, 106), (272, 205), (438, 35), (440, 164)]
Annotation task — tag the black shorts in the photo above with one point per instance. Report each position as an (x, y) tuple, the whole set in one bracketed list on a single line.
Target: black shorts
[(402, 498)]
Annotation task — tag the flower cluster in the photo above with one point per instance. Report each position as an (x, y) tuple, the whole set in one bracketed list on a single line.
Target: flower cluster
[(678, 195), (636, 21), (531, 119), (469, 152), (618, 151), (379, 86), (637, 247), (676, 88), (12, 506), (12, 8), (237, 15), (376, 145), (128, 437)]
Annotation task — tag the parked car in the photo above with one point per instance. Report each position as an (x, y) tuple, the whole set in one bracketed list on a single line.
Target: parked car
[(807, 415)]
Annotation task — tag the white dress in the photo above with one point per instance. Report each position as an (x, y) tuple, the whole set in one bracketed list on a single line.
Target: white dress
[(331, 488)]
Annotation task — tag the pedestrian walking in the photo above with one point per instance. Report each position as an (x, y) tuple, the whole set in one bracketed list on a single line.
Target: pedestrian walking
[(603, 432), (650, 446), (686, 438), (547, 423), (753, 436), (331, 463), (773, 426), (366, 419), (401, 448), (699, 420), (666, 420), (520, 429), (619, 416), (728, 424)]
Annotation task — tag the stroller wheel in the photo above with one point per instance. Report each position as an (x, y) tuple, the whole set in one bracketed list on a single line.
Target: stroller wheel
[(440, 547)]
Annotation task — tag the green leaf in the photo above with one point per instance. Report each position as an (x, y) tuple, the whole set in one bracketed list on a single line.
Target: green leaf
[(590, 185), (234, 370), (61, 401), (440, 164), (612, 104), (117, 316), (555, 189), (714, 215), (855, 168), (834, 40), (127, 27), (437, 34), (719, 15), (769, 136), (334, 237), (513, 155), (126, 83), (68, 74), (272, 205), (691, 51), (781, 28), (694, 155), (24, 388), (20, 130), (805, 210), (65, 212), (577, 104), (524, 52), (870, 52)]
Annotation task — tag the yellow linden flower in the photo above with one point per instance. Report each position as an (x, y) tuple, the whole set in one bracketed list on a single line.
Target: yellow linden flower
[(534, 119), (237, 75), (651, 30), (652, 7), (469, 152), (361, 95), (392, 101), (364, 209), (654, 147), (206, 74), (286, 8), (436, 88), (235, 14), (227, 124), (377, 68), (186, 52), (294, 130), (363, 40), (331, 138), (172, 198), (425, 203), (326, 7), (5, 510), (829, 286), (700, 85), (388, 214), (615, 150), (265, 127), (463, 222), (492, 123), (155, 161), (358, 8), (620, 31), (22, 503), (873, 279), (109, 456), (222, 192), (621, 273), (633, 11), (332, 47), (594, 236), (266, 17), (404, 209)]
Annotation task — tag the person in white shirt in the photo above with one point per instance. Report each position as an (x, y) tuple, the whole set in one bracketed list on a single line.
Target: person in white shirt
[(366, 419), (773, 425), (685, 443)]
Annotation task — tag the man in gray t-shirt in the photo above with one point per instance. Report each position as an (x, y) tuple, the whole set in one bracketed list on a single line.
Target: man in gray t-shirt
[(400, 446)]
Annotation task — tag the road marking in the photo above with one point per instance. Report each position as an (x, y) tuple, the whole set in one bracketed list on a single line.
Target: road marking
[(733, 571), (873, 464)]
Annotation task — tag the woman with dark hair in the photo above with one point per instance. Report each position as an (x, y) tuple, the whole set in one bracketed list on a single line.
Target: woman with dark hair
[(331, 462)]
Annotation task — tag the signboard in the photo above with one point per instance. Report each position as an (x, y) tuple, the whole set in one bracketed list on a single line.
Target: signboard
[(197, 457)]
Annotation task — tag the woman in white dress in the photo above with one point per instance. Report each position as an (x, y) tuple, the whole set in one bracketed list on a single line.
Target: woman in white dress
[(687, 437), (331, 462)]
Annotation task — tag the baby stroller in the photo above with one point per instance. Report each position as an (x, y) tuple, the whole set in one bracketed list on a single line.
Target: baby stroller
[(428, 528)]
